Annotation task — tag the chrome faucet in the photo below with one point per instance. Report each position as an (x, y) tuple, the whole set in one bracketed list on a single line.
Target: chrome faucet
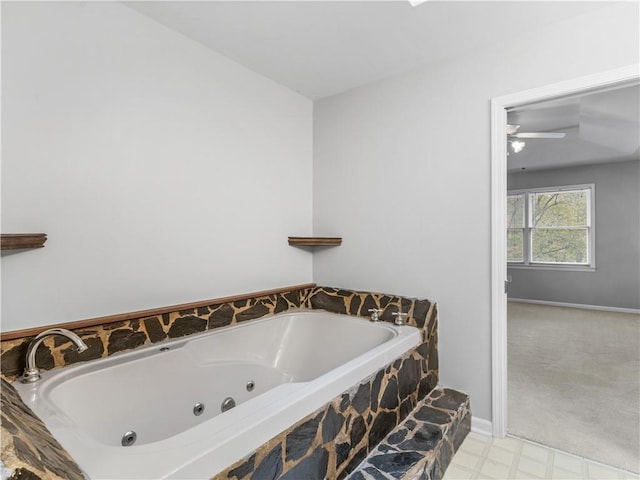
[(399, 318), (375, 314), (32, 373)]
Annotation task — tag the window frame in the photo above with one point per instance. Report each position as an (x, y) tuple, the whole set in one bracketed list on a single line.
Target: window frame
[(527, 263)]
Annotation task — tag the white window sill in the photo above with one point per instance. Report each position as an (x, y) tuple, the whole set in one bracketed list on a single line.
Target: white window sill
[(562, 268)]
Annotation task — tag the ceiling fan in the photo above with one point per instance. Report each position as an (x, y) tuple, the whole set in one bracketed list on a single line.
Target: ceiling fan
[(514, 137)]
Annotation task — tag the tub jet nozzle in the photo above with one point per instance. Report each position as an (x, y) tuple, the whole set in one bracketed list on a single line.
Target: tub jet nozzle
[(227, 404), (129, 438)]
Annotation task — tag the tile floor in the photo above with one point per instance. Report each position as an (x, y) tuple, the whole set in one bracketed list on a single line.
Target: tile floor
[(484, 457)]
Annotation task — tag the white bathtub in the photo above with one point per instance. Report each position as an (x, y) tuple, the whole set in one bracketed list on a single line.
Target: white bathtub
[(298, 361)]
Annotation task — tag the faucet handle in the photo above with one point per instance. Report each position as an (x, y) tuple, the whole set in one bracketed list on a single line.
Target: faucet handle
[(375, 314), (399, 317)]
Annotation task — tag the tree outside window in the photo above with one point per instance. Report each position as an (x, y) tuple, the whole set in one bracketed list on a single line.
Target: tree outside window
[(551, 226)]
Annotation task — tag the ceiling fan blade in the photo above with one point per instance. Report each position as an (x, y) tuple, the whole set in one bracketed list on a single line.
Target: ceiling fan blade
[(539, 135)]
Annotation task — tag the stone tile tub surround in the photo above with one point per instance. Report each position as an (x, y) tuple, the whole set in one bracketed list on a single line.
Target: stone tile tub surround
[(28, 449), (333, 440), (422, 361), (107, 339), (422, 446)]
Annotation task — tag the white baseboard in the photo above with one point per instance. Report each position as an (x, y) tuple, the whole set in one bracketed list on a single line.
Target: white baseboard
[(481, 426), (576, 305)]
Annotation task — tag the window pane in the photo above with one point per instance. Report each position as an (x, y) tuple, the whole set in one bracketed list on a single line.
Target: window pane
[(560, 209), (515, 248), (515, 211), (559, 246)]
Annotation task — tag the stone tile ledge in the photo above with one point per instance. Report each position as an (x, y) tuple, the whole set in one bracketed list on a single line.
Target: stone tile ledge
[(422, 446)]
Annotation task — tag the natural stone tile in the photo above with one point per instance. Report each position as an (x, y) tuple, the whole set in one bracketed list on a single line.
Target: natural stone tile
[(186, 326), (356, 460), (397, 463), (390, 396), (356, 476), (95, 350), (299, 440), (342, 453), (397, 436), (331, 425), (345, 402), (450, 400), (26, 440), (422, 449), (221, 317), (281, 305), (243, 469), (362, 399), (382, 425), (23, 474), (251, 313), (323, 301), (358, 429), (374, 474), (407, 405), (375, 390), (13, 359), (313, 467), (154, 329), (425, 438), (270, 468), (432, 415)]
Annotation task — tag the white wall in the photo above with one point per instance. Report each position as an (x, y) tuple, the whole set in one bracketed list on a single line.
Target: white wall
[(162, 172), (402, 172)]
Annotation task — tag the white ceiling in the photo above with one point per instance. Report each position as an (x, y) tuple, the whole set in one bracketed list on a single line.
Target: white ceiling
[(320, 48), (601, 127)]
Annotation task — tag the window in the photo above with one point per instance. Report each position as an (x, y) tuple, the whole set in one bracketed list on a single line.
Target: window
[(551, 227)]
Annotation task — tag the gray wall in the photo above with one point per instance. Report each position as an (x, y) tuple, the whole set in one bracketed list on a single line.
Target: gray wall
[(616, 281)]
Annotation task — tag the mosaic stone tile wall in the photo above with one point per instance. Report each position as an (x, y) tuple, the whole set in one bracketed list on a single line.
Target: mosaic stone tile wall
[(28, 448), (354, 422), (105, 340), (422, 446), (349, 302)]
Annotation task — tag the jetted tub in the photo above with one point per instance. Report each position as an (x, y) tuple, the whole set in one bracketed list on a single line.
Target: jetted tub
[(276, 370)]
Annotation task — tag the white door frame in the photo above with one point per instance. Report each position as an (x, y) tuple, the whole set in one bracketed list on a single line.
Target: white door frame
[(499, 106)]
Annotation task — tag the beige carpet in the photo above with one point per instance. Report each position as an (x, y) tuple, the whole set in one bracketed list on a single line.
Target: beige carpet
[(574, 381)]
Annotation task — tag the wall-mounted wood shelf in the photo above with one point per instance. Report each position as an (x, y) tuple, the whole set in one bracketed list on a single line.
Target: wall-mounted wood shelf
[(19, 241), (315, 241)]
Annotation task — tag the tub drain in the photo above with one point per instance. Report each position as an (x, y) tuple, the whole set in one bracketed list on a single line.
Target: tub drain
[(227, 404), (129, 438)]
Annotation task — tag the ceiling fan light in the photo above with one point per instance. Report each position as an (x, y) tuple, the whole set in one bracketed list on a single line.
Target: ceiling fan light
[(517, 145)]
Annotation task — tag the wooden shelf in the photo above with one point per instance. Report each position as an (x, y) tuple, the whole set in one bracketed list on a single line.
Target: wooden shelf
[(315, 241), (19, 241)]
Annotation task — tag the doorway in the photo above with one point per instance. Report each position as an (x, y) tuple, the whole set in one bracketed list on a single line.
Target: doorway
[(573, 327), (500, 106)]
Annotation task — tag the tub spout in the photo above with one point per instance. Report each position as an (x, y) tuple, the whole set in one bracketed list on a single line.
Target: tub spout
[(32, 373)]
